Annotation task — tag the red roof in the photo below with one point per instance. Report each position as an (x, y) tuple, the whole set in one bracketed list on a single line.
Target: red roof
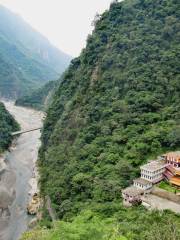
[(175, 181)]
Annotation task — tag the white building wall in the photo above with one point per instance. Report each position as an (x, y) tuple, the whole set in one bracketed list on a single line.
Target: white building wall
[(141, 186), (152, 176)]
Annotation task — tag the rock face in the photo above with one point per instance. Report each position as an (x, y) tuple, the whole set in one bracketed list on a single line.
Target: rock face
[(34, 205)]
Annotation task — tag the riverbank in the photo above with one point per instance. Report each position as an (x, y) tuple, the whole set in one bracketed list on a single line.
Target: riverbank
[(20, 176), (2, 163)]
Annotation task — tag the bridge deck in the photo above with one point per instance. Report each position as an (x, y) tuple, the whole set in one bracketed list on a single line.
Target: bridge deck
[(25, 131)]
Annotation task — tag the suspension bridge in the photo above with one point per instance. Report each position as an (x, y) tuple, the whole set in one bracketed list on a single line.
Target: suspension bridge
[(25, 131)]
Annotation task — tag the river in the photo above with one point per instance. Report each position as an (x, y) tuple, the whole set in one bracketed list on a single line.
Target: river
[(20, 176)]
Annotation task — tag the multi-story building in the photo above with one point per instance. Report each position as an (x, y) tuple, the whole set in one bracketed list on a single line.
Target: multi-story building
[(172, 173), (172, 158), (142, 184), (166, 167), (153, 171)]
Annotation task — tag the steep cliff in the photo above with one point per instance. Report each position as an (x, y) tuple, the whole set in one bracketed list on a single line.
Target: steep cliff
[(39, 99), (117, 106)]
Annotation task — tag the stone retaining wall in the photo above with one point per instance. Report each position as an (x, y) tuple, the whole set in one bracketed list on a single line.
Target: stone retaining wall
[(165, 194)]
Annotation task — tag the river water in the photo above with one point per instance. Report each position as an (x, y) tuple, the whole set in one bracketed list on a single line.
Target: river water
[(19, 179)]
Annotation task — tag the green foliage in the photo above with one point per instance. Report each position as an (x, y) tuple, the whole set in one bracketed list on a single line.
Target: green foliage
[(86, 226), (127, 224), (166, 186), (40, 98), (7, 125), (117, 106)]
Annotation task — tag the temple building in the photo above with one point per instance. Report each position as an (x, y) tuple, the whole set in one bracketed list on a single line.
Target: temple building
[(166, 167), (172, 173), (153, 171), (172, 158), (142, 184)]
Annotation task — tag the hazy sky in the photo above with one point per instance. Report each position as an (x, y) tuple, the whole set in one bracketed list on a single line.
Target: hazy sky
[(66, 23)]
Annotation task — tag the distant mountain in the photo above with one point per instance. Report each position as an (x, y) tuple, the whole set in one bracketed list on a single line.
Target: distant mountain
[(27, 59), (40, 98)]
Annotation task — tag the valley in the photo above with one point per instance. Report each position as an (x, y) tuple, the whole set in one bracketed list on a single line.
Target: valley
[(108, 153), (19, 178)]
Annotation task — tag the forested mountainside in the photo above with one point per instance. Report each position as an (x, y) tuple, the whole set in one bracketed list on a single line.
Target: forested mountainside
[(117, 106), (27, 59), (7, 125), (39, 99)]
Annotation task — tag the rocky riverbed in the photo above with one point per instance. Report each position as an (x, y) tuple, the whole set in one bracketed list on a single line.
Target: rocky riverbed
[(18, 174)]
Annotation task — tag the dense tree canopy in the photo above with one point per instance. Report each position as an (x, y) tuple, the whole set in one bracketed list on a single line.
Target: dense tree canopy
[(40, 98), (117, 106), (7, 125), (126, 224)]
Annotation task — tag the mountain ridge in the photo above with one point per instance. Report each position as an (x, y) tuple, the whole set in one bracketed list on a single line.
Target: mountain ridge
[(39, 99), (33, 59), (117, 104), (38, 39), (117, 107)]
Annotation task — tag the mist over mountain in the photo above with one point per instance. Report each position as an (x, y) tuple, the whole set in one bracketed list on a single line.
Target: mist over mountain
[(27, 59)]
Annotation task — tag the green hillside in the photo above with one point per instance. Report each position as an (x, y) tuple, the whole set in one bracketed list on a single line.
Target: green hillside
[(27, 59), (7, 125), (117, 106), (40, 98), (126, 224)]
